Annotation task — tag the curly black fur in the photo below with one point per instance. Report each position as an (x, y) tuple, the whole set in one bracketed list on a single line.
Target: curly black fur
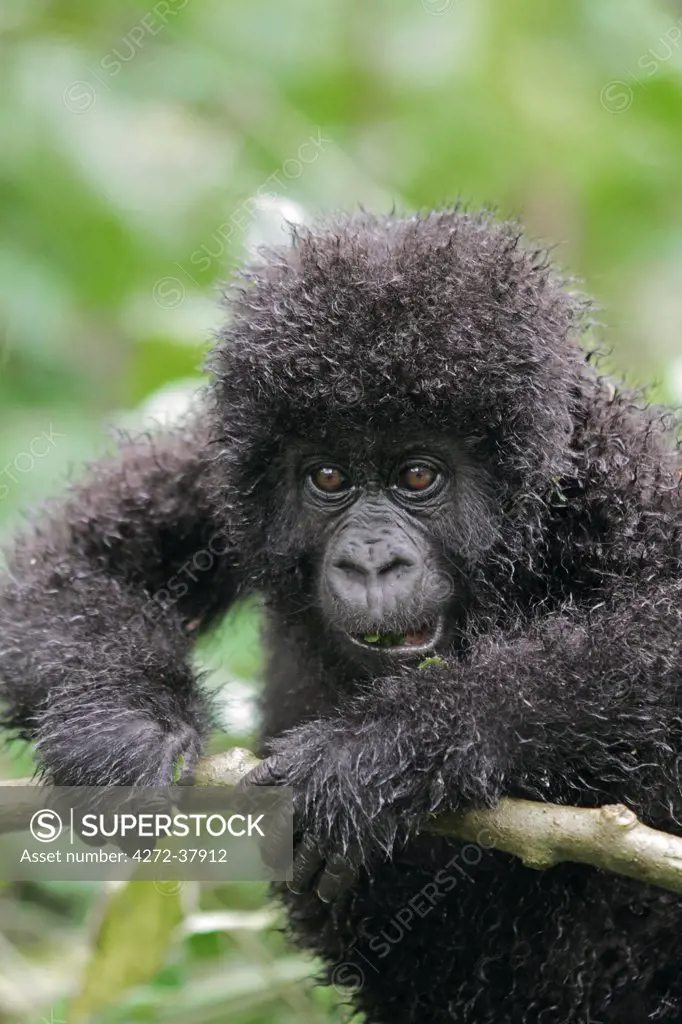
[(562, 672)]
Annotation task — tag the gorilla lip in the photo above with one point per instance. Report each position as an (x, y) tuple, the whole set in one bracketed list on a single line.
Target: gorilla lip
[(412, 641)]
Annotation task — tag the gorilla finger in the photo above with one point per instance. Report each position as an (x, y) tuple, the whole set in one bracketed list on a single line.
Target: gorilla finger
[(338, 875), (308, 862), (277, 849), (267, 773), (245, 796)]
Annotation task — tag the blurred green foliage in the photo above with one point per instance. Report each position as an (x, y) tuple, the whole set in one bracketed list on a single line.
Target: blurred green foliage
[(139, 145)]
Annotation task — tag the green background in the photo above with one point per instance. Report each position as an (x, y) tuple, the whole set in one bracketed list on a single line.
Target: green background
[(144, 150)]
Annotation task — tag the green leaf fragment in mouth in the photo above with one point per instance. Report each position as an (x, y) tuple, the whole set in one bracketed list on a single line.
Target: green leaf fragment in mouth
[(385, 639)]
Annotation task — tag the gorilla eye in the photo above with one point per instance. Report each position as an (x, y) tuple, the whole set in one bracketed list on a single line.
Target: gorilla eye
[(417, 477), (329, 479)]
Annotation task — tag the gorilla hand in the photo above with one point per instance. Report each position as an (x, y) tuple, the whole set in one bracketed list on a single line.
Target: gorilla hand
[(342, 818)]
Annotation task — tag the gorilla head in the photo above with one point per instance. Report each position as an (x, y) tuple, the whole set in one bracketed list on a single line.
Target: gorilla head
[(386, 393)]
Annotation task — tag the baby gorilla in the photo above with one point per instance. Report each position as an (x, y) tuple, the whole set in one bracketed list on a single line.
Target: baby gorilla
[(469, 548)]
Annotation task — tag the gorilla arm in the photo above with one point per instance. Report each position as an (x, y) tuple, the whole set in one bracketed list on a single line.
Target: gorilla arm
[(98, 612), (581, 706)]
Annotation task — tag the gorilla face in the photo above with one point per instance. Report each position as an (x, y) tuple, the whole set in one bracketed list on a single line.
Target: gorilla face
[(396, 530)]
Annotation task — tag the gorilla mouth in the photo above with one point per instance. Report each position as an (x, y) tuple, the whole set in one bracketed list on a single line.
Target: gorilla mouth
[(412, 641)]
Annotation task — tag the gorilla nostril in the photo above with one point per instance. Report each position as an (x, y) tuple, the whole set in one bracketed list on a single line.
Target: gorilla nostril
[(394, 565), (358, 568), (350, 567)]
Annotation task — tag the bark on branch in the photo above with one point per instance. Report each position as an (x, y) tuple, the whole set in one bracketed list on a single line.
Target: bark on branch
[(541, 835)]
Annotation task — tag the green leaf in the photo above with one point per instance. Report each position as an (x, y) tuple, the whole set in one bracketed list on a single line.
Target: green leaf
[(432, 660), (392, 639), (130, 945), (178, 768)]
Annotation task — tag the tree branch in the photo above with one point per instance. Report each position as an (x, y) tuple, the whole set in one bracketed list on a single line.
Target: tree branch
[(544, 835), (541, 835)]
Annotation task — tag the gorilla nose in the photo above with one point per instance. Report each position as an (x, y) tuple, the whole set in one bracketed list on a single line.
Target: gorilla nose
[(374, 574)]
